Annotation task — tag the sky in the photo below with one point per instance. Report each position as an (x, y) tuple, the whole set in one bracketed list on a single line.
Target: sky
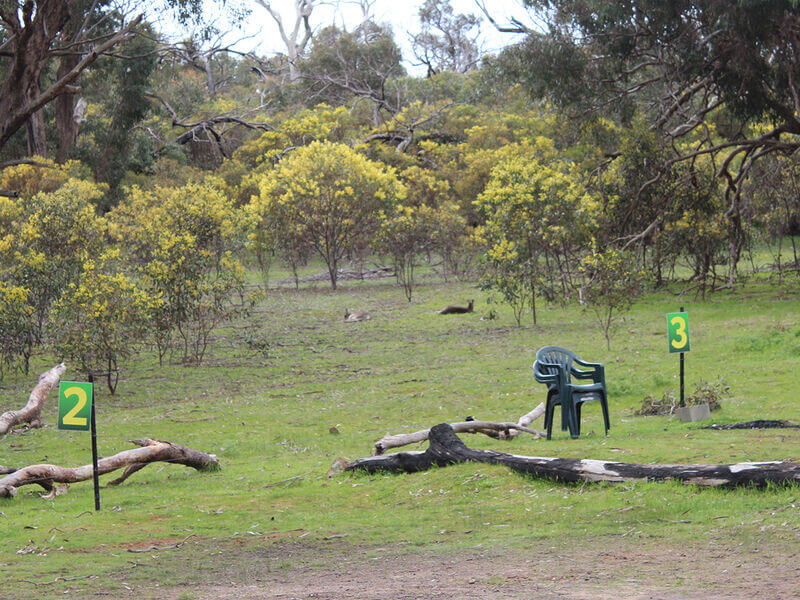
[(259, 32)]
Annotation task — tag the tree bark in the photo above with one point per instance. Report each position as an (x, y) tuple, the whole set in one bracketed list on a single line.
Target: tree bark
[(66, 121), (134, 459), (31, 413), (37, 135), (447, 449)]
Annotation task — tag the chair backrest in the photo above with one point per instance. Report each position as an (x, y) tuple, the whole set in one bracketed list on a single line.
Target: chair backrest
[(552, 359)]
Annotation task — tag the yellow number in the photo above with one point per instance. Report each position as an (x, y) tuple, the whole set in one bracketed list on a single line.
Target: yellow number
[(70, 418), (680, 332)]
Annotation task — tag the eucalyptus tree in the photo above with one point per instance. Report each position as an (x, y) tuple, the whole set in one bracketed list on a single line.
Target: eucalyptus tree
[(715, 78), (447, 41)]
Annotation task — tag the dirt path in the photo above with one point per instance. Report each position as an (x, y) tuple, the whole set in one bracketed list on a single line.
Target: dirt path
[(599, 570)]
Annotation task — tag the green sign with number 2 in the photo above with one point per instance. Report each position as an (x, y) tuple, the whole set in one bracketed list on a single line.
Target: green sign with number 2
[(74, 405), (678, 327)]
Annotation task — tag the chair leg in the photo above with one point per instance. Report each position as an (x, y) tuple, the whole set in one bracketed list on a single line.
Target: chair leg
[(575, 429), (566, 416), (604, 404), (548, 417), (568, 422), (547, 405)]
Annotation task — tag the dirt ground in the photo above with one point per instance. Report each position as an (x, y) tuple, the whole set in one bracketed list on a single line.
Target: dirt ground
[(604, 569)]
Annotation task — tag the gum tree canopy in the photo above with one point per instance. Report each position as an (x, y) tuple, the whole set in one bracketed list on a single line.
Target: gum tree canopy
[(715, 77)]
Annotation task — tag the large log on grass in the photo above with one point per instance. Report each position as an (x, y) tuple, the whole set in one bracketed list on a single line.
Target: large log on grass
[(149, 451), (446, 449), (31, 413)]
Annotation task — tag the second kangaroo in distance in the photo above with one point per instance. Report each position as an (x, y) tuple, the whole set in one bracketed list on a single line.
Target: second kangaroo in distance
[(353, 317), (457, 310)]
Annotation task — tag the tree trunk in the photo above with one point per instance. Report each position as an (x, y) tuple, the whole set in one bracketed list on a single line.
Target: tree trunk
[(30, 51), (37, 136), (447, 449), (134, 460), (32, 411), (67, 122), (30, 48)]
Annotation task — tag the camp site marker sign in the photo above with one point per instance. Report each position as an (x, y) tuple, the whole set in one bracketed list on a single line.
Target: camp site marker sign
[(76, 413), (75, 405), (678, 335), (678, 328)]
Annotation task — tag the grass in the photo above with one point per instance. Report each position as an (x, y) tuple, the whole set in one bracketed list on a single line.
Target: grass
[(266, 411)]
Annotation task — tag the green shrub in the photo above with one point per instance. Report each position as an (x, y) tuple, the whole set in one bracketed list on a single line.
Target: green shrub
[(711, 393), (704, 392)]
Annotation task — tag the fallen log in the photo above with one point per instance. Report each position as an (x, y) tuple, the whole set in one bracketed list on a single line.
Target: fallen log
[(31, 413), (135, 459), (498, 430), (759, 424), (446, 449), (6, 470), (490, 428)]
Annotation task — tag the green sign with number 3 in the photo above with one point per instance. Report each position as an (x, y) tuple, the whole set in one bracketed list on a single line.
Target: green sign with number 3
[(74, 405), (678, 328)]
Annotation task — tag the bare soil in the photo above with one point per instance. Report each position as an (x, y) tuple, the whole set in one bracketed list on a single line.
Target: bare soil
[(601, 569)]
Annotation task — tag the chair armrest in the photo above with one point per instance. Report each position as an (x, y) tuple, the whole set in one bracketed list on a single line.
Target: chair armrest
[(597, 374), (543, 377), (584, 363), (579, 374)]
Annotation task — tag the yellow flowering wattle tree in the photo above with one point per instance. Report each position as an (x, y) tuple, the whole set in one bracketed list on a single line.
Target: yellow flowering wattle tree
[(536, 212), (184, 243), (405, 233), (102, 319), (17, 328), (326, 197), (44, 240)]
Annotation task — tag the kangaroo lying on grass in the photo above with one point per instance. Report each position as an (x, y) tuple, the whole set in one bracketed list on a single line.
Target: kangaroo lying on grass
[(359, 315), (457, 310)]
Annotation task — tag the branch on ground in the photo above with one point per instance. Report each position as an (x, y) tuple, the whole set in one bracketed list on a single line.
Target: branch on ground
[(497, 430), (447, 449), (135, 459)]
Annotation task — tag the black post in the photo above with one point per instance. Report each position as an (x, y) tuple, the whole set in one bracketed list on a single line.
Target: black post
[(95, 476), (683, 403)]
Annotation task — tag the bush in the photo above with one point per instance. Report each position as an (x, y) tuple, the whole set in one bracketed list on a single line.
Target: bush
[(704, 392), (665, 405), (711, 393)]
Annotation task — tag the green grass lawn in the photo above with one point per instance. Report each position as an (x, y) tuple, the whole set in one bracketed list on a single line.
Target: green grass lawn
[(268, 419)]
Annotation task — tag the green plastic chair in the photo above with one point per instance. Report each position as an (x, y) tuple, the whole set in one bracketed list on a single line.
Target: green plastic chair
[(555, 367)]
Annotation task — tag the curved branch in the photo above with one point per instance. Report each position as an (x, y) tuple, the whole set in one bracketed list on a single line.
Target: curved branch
[(148, 451), (31, 413)]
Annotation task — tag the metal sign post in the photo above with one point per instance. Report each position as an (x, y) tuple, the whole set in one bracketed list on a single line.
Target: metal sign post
[(678, 333), (76, 413), (95, 475)]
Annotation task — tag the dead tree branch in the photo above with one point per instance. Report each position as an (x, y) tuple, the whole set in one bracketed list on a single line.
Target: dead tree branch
[(31, 413), (148, 451), (502, 430), (447, 449)]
